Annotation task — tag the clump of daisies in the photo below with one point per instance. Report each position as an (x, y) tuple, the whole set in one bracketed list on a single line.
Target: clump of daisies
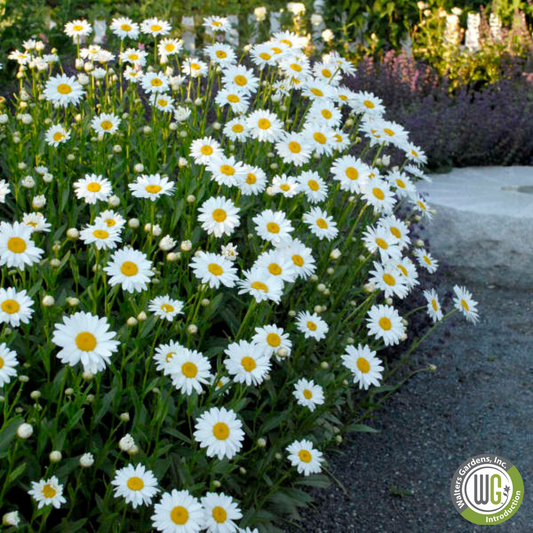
[(203, 255)]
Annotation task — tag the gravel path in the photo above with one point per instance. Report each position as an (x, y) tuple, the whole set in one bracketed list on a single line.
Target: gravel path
[(480, 400)]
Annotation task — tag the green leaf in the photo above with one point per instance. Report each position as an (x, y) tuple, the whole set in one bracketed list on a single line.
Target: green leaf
[(16, 473), (361, 428)]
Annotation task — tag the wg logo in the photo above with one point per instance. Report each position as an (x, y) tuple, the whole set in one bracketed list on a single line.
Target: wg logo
[(487, 489)]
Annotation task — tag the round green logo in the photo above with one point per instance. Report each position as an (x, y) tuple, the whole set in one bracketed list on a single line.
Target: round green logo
[(487, 489)]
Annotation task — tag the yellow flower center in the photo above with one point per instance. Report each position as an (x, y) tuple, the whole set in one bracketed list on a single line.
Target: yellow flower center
[(64, 88), (295, 147), (10, 307), (94, 187), (156, 82), (125, 27), (273, 340), (403, 270), (100, 234), (326, 73), (77, 27), (1, 363), (241, 81), (110, 222), (16, 245), (221, 54), (363, 365), (378, 193), (58, 136), (396, 232), (219, 215), (189, 370), (106, 125), (195, 66), (321, 223), (312, 326), (434, 305), (319, 137), (135, 483), (422, 205), (169, 47), (427, 260), (385, 323), (216, 23), (251, 179), (307, 394), (414, 152), (259, 286), (389, 280), (317, 92), (221, 431), (296, 67), (287, 42), (265, 56), (276, 50), (227, 170), (400, 184), (304, 456), (179, 515), (129, 268), (326, 113), (389, 132), (274, 269), (313, 185), (86, 341), (169, 356), (465, 305), (285, 187), (237, 128), (215, 269), (206, 149), (49, 491), (368, 104), (219, 514), (233, 98), (153, 189), (167, 308), (264, 123), (298, 260), (248, 363), (352, 173), (272, 227), (133, 57), (382, 243), (156, 27)]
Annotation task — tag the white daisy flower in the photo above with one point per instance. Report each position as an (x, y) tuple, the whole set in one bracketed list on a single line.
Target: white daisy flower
[(4, 190), (155, 27), (169, 47), (155, 82), (426, 260), (364, 365), (277, 264), (368, 104), (56, 135), (433, 306), (204, 149), (321, 224), (229, 251), (273, 226), (397, 229), (37, 222), (385, 323), (151, 186), (405, 188), (101, 235), (236, 129), (77, 29), (271, 338), (135, 56), (85, 338), (178, 512), (320, 137), (124, 27), (135, 484), (194, 68), (163, 355), (313, 186), (408, 269), (294, 149), (351, 173), (285, 185), (464, 302), (264, 125), (389, 279), (324, 112), (221, 54), (241, 77), (380, 240), (378, 194), (216, 23), (308, 393), (246, 362), (422, 206), (253, 181), (93, 188), (16, 247), (130, 268), (225, 170), (415, 153), (237, 100), (311, 325), (47, 492), (189, 369), (132, 74), (166, 307), (219, 216), (214, 269), (63, 90), (220, 431), (8, 362), (111, 219), (300, 255), (305, 457), (221, 512), (15, 307), (261, 285), (105, 123)]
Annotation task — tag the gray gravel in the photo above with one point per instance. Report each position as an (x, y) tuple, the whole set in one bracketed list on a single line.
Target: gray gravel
[(480, 400)]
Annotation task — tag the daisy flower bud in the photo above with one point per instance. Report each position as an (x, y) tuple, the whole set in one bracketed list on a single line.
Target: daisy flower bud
[(69, 391), (192, 329), (139, 167), (417, 218), (317, 309), (147, 129), (113, 201), (27, 182), (141, 317), (86, 460), (205, 302), (345, 382), (35, 395), (183, 134), (117, 149), (133, 223), (350, 340), (55, 456), (335, 254), (338, 438), (126, 442), (72, 301), (134, 450), (242, 470), (278, 456), (24, 431), (55, 263), (90, 398), (282, 352), (292, 313), (11, 519), (24, 379), (274, 166), (125, 417), (173, 256), (324, 365), (403, 337), (182, 162), (173, 127), (22, 166), (369, 288), (87, 376), (48, 301), (186, 246), (217, 484), (198, 103), (191, 198), (261, 442), (132, 321), (71, 157), (167, 243), (47, 178), (276, 98), (217, 126), (388, 301), (314, 278), (419, 243), (432, 368), (330, 270)]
